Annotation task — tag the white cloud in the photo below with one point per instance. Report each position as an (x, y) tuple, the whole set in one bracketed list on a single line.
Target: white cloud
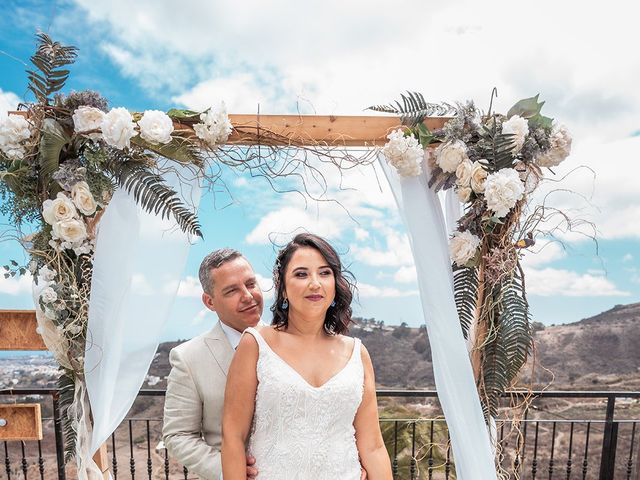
[(280, 225), (190, 287), (361, 234), (16, 285), (8, 101), (627, 258), (266, 285), (366, 290), (552, 282), (201, 316), (542, 253), (406, 275), (396, 252)]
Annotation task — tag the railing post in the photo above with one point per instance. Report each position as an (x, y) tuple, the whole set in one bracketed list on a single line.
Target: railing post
[(609, 442), (57, 428)]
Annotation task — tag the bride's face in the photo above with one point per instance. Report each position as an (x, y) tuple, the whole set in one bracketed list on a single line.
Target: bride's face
[(310, 285)]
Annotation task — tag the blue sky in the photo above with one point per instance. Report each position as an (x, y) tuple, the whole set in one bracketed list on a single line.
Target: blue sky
[(335, 58)]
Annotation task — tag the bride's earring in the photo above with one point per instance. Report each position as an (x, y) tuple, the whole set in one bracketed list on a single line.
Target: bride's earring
[(285, 304), (333, 303)]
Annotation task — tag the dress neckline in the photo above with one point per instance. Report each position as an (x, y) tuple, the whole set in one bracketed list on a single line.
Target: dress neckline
[(298, 374)]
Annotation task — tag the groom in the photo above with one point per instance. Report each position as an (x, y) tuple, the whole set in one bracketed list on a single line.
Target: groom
[(195, 387)]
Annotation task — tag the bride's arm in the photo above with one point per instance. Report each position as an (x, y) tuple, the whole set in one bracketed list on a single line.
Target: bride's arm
[(239, 401), (373, 454)]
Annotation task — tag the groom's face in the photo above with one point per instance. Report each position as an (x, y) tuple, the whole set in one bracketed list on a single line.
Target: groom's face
[(236, 296)]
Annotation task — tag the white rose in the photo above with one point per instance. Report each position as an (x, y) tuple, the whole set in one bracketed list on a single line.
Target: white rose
[(156, 127), (520, 128), (14, 129), (404, 153), (463, 247), (72, 231), (450, 155), (464, 194), (47, 274), (215, 127), (86, 119), (560, 148), (478, 177), (118, 128), (48, 295), (463, 173), (502, 191), (58, 210), (83, 199)]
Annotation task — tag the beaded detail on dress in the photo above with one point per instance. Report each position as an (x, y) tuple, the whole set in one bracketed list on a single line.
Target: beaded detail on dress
[(302, 432)]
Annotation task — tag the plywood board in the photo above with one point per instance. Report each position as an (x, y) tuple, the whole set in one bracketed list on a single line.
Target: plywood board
[(22, 421), (18, 331)]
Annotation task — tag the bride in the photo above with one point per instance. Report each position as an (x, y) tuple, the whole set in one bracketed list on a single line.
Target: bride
[(300, 395)]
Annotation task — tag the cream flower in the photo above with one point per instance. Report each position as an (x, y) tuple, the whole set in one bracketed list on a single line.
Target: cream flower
[(72, 231), (463, 173), (58, 210), (47, 274), (14, 130), (156, 127), (215, 127), (450, 155), (502, 191), (463, 247), (404, 153), (86, 119), (560, 148), (519, 127), (48, 295), (478, 177), (118, 128), (83, 199), (464, 194)]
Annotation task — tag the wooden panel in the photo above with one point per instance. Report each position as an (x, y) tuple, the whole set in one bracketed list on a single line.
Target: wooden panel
[(18, 331), (333, 130), (348, 130), (23, 422)]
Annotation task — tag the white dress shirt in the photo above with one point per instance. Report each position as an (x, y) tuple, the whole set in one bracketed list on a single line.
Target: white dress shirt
[(232, 334)]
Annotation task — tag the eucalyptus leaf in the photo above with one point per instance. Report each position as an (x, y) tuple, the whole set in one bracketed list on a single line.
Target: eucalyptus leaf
[(183, 114), (540, 121), (526, 108)]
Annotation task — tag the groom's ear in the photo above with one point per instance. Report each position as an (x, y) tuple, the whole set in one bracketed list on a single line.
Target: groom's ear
[(208, 301)]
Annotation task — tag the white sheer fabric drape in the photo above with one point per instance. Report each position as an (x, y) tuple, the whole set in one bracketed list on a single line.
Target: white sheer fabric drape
[(428, 235), (139, 260)]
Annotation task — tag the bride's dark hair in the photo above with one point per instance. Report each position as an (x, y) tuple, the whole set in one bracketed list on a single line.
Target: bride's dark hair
[(338, 317)]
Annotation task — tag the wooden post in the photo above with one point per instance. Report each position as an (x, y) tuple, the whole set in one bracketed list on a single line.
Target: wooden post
[(100, 457)]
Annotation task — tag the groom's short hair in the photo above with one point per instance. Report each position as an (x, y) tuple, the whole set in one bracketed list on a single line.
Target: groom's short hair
[(214, 260)]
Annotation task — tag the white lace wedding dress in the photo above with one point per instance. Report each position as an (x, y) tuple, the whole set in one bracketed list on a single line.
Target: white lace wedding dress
[(302, 432)]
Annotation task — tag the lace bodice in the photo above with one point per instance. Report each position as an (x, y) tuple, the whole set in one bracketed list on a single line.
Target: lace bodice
[(302, 432)]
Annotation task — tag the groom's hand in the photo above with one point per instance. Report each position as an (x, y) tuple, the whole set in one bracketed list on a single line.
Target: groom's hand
[(252, 471), (363, 474)]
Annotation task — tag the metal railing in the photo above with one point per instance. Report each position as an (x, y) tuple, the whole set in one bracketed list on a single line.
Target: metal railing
[(598, 446)]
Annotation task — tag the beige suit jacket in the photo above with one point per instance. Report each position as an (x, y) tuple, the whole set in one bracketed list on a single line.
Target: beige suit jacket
[(193, 404)]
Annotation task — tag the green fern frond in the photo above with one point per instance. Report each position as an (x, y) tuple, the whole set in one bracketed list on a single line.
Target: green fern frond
[(414, 108), (500, 148), (177, 149), (48, 76), (52, 141), (509, 340), (465, 286), (66, 389), (150, 191)]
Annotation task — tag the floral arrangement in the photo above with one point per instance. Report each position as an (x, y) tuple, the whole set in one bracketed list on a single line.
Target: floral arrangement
[(493, 162), (61, 159)]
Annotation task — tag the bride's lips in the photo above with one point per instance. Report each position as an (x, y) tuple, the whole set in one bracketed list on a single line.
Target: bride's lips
[(314, 298)]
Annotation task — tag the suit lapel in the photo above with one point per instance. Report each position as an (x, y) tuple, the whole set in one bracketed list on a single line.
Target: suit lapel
[(219, 347)]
